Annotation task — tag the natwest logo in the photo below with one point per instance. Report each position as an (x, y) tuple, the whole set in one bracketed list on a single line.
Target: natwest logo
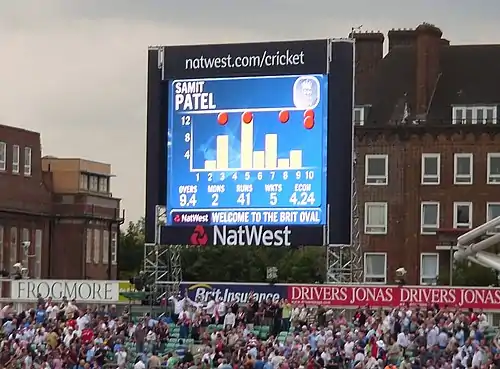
[(199, 236), (251, 235)]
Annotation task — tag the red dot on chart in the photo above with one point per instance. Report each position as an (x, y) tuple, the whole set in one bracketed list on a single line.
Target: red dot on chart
[(308, 122), (284, 116), (222, 118), (247, 117), (309, 113)]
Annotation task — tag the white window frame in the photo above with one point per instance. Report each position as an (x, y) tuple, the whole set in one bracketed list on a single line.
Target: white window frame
[(426, 229), (88, 246), (28, 160), (15, 159), (488, 218), (38, 253), (97, 246), (2, 236), (383, 228), (463, 179), (435, 178), (361, 111), (376, 180), (13, 240), (25, 237), (492, 179), (368, 278), (431, 280), (93, 183), (103, 184), (457, 225), (105, 247), (114, 247), (3, 156), (474, 119), (84, 181)]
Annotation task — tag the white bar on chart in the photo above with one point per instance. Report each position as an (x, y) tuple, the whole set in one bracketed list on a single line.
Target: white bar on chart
[(246, 151), (222, 152), (271, 150), (258, 160), (283, 163), (211, 164), (296, 159)]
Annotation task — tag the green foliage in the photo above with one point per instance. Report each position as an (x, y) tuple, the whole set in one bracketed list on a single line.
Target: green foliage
[(469, 274), (227, 264), (131, 249)]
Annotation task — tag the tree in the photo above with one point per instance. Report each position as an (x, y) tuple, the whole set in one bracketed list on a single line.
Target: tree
[(249, 264), (131, 249), (466, 273), (227, 264)]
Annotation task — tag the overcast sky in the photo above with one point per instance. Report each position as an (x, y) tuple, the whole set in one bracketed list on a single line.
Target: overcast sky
[(75, 70)]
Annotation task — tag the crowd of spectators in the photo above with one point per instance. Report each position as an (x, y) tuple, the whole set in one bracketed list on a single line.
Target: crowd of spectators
[(250, 335)]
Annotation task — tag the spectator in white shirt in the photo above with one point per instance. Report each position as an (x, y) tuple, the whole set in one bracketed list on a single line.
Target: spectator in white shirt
[(402, 339), (179, 304), (121, 357), (229, 320)]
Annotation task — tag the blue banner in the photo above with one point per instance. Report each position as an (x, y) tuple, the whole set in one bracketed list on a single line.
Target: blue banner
[(239, 292)]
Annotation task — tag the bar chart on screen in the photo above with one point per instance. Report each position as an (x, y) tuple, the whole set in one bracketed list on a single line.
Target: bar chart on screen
[(242, 144)]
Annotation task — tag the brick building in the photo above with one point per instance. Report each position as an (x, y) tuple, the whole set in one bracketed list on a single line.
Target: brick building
[(57, 216), (428, 148)]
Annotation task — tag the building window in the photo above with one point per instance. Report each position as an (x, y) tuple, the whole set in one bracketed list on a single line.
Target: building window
[(358, 116), (13, 246), (493, 168), (103, 184), (15, 159), (105, 247), (94, 183), (376, 170), (492, 212), (27, 161), (431, 169), (462, 169), (429, 217), (375, 267), (25, 246), (114, 248), (462, 215), (38, 253), (88, 247), (429, 268), (3, 156), (84, 182), (97, 246), (474, 115), (1, 247), (376, 218)]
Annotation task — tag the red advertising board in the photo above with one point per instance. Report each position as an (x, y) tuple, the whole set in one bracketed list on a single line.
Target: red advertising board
[(392, 296)]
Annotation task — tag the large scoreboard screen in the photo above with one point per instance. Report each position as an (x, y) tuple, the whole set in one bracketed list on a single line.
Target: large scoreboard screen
[(247, 150)]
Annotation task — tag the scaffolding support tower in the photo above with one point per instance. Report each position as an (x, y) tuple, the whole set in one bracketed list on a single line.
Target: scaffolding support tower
[(162, 263), (344, 263)]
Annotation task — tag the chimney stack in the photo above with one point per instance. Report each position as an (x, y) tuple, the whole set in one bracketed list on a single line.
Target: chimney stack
[(401, 37), (369, 52), (429, 44)]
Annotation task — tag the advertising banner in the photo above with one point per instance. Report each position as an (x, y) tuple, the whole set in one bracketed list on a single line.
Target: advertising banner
[(227, 292), (250, 235), (393, 296), (234, 60), (80, 290)]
